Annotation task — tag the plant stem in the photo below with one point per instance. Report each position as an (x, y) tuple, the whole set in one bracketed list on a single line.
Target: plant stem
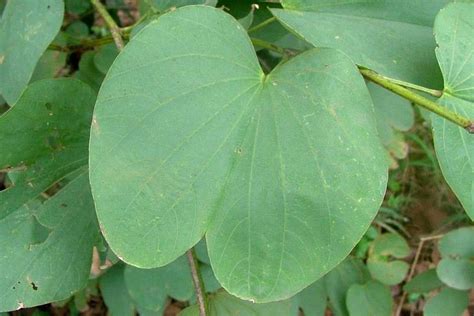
[(267, 45), (261, 25), (418, 99), (197, 281), (413, 266), (433, 92), (114, 29)]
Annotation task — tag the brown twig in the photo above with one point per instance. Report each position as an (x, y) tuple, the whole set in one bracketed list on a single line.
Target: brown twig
[(413, 267), (197, 281)]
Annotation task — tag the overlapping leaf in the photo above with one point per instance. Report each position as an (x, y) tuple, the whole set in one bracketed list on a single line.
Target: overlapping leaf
[(454, 146), (284, 172), (392, 37), (224, 304), (46, 241), (27, 28)]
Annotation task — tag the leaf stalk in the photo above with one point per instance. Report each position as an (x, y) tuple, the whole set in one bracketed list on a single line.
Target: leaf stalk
[(442, 111)]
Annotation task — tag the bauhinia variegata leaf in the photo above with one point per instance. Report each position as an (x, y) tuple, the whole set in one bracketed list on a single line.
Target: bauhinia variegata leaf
[(394, 38), (46, 241), (26, 29), (283, 172), (454, 31)]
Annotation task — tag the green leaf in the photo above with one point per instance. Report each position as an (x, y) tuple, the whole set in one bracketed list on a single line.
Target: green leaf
[(391, 244), (88, 71), (224, 304), (104, 58), (115, 293), (27, 28), (456, 269), (375, 34), (149, 288), (77, 6), (454, 146), (369, 299), (424, 282), (313, 299), (163, 5), (392, 112), (387, 272), (449, 302), (50, 64), (339, 280), (283, 174), (46, 242), (380, 263), (209, 279)]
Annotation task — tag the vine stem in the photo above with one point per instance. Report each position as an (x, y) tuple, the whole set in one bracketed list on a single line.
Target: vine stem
[(114, 29), (261, 25), (413, 267), (267, 45), (382, 81), (197, 281)]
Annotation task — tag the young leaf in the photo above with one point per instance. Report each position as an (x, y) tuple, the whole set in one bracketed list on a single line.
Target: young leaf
[(224, 304), (114, 292), (313, 299), (424, 282), (339, 280), (454, 146), (284, 172), (149, 288), (456, 269), (369, 299), (46, 245), (26, 29), (375, 34), (449, 302)]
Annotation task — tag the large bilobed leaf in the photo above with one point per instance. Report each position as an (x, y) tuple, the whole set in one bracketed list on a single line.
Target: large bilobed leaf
[(224, 304), (369, 299), (27, 28), (283, 171), (46, 244), (454, 146), (394, 38), (456, 269)]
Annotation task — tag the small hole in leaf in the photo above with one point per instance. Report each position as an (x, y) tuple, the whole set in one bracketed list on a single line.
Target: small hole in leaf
[(33, 285)]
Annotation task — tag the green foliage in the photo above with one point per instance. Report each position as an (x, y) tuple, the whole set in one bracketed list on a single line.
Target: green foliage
[(356, 28), (262, 168), (26, 29), (243, 129), (424, 282), (224, 304), (455, 148), (456, 269), (380, 263), (369, 299), (46, 240), (449, 302)]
